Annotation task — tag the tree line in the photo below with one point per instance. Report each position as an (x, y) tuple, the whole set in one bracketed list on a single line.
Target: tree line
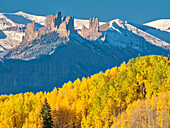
[(136, 94)]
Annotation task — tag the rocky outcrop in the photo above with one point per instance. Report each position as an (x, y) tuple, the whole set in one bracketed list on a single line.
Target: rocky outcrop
[(67, 26), (63, 29), (104, 37), (42, 31), (53, 22), (104, 27), (57, 20), (63, 26), (91, 33), (49, 22), (30, 33), (94, 25), (70, 24)]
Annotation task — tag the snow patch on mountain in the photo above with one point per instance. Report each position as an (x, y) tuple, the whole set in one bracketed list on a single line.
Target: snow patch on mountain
[(12, 25), (79, 22), (123, 34), (38, 19), (162, 24)]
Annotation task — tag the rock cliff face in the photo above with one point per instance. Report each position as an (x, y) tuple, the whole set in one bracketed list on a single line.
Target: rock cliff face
[(30, 32), (70, 24), (91, 33), (57, 19), (52, 23), (104, 27), (67, 26), (64, 27)]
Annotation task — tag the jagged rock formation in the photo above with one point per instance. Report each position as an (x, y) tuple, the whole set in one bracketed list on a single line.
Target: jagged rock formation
[(70, 24), (91, 33), (30, 32), (63, 26), (52, 23)]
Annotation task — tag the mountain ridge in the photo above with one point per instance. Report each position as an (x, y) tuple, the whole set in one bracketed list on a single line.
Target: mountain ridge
[(15, 37), (39, 63)]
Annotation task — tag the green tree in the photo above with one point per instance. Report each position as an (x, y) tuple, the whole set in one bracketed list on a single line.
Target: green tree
[(46, 115)]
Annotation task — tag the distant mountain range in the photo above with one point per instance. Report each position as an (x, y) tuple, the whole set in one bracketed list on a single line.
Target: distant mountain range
[(12, 27), (50, 51)]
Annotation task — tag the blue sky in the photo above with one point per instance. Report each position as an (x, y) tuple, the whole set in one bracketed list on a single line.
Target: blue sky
[(138, 11)]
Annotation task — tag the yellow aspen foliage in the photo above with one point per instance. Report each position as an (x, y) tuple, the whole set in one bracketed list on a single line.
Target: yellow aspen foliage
[(136, 94)]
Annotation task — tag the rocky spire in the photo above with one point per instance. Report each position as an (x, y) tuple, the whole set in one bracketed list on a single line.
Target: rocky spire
[(30, 32), (53, 22), (70, 24), (94, 25), (57, 19), (64, 27), (93, 32), (49, 22)]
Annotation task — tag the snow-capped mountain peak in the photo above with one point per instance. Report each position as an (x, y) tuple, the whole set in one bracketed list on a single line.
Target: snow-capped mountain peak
[(123, 33), (119, 33)]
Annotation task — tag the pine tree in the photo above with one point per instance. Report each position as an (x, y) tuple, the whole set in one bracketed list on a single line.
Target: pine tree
[(46, 115)]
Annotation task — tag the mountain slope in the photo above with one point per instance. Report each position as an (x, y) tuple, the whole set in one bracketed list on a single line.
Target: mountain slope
[(13, 26), (129, 34), (52, 59), (64, 60), (136, 94)]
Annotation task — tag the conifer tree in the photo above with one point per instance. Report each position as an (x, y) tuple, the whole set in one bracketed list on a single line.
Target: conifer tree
[(46, 115)]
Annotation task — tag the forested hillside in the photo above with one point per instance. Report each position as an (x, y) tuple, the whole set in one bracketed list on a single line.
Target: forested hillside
[(136, 94)]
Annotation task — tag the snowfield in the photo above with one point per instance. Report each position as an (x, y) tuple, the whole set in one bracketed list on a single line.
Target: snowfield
[(162, 24)]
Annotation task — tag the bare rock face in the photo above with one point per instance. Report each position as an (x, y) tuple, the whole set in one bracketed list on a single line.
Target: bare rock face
[(63, 29), (50, 22), (53, 22), (41, 31), (67, 26), (84, 30), (94, 25), (93, 32), (30, 32), (57, 19), (70, 24), (104, 27), (63, 26)]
